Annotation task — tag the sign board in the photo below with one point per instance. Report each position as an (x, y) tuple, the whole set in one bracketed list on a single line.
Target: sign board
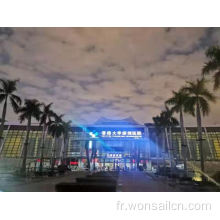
[(114, 155), (121, 134)]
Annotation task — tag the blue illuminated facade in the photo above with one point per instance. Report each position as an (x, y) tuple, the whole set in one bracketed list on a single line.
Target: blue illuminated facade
[(111, 144)]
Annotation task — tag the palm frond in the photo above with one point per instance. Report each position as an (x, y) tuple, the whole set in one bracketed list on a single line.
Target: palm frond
[(171, 101), (31, 108), (217, 80), (207, 94), (174, 121), (16, 99), (188, 89), (4, 84), (204, 106), (23, 117), (2, 97), (58, 118), (210, 66), (12, 87), (56, 129), (14, 105), (190, 105), (197, 91), (36, 114), (175, 108), (213, 52), (43, 119), (46, 114)]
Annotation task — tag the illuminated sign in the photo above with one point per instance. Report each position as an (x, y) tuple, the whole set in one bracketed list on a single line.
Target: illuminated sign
[(134, 134), (114, 155), (73, 163), (116, 134)]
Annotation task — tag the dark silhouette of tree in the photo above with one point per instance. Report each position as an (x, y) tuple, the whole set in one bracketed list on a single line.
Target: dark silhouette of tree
[(45, 118), (178, 104), (166, 121), (213, 65), (87, 154), (56, 129), (7, 90), (67, 128), (31, 109), (199, 97)]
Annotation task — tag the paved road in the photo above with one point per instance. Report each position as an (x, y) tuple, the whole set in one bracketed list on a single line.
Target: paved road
[(10, 183), (127, 182), (142, 182)]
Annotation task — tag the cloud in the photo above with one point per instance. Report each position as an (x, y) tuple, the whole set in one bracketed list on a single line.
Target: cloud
[(4, 58), (112, 72)]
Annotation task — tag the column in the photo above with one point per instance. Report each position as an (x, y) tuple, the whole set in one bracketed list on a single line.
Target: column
[(148, 146)]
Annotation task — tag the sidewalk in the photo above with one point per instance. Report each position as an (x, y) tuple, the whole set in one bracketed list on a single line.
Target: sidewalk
[(12, 183), (142, 182)]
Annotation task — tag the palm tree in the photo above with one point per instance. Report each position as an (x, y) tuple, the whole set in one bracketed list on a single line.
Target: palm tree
[(213, 65), (31, 109), (56, 128), (167, 118), (93, 154), (178, 103), (7, 90), (159, 134), (46, 115), (198, 101), (87, 154), (67, 127), (166, 121)]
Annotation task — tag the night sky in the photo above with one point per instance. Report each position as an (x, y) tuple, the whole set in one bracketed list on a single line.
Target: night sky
[(90, 73)]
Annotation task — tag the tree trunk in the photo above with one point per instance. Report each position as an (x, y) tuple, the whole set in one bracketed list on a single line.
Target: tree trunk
[(3, 120), (93, 156), (167, 135), (65, 148), (170, 138), (63, 138), (138, 157), (163, 147), (157, 151), (199, 126), (183, 141), (42, 147), (53, 155), (172, 162), (87, 154), (23, 168)]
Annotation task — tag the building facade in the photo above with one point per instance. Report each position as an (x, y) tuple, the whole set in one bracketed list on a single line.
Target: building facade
[(112, 144)]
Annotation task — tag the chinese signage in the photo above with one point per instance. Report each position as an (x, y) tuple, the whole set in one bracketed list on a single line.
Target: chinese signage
[(121, 134), (115, 155)]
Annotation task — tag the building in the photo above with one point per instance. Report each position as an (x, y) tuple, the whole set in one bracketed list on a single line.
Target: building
[(111, 144)]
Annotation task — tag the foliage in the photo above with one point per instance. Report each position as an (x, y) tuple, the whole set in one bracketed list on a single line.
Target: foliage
[(213, 64), (30, 109), (7, 89), (198, 94)]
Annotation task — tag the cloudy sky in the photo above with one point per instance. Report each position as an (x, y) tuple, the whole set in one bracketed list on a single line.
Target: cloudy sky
[(111, 72)]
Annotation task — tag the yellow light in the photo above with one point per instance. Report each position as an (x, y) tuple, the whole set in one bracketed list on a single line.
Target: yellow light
[(197, 177)]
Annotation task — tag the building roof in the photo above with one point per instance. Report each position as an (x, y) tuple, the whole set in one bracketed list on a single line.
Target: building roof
[(125, 121)]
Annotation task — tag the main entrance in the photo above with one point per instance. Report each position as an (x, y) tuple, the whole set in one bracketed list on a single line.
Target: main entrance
[(116, 164)]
